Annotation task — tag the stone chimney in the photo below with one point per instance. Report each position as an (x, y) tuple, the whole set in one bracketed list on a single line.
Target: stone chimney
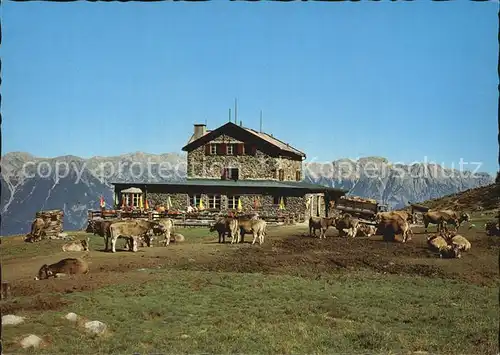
[(199, 130)]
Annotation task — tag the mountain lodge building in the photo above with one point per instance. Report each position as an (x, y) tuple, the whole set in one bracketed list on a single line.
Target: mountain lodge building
[(234, 168)]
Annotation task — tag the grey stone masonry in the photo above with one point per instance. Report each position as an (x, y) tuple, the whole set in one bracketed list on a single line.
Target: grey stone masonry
[(208, 161), (262, 204)]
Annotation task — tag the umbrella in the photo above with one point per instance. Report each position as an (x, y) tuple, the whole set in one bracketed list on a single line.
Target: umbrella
[(146, 204), (201, 204), (239, 205)]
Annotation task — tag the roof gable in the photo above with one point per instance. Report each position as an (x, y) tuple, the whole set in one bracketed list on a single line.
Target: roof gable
[(246, 135)]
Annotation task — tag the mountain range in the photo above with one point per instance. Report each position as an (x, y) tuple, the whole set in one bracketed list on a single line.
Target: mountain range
[(74, 184)]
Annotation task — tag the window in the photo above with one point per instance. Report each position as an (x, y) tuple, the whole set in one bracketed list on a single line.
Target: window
[(234, 173), (194, 200), (232, 202), (277, 200), (230, 174), (214, 202), (298, 175), (281, 174), (213, 149), (230, 149), (135, 200)]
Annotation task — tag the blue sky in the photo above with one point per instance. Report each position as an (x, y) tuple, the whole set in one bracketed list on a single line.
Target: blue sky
[(402, 80)]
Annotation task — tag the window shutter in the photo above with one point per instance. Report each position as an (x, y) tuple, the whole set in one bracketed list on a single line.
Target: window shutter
[(207, 149), (221, 149), (253, 150), (239, 149)]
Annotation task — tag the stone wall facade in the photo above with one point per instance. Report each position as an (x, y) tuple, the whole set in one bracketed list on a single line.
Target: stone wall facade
[(262, 204), (179, 201), (260, 166)]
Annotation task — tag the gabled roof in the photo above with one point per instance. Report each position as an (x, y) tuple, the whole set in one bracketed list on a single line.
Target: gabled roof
[(265, 138)]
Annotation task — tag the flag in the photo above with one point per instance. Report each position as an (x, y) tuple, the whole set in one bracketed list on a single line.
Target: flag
[(201, 204), (282, 204), (141, 206), (101, 202), (169, 203), (116, 200), (239, 205), (146, 204)]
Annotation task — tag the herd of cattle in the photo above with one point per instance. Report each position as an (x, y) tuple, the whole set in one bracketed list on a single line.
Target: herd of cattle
[(389, 224), (138, 232)]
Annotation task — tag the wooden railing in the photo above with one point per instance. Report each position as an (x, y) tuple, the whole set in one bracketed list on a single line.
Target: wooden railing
[(196, 219)]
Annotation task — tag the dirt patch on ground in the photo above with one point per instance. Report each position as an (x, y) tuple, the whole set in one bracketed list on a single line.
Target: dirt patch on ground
[(39, 302), (285, 251), (306, 256)]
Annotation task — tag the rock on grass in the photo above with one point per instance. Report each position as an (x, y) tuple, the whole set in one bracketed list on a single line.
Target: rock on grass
[(11, 319), (72, 317), (31, 341), (95, 327)]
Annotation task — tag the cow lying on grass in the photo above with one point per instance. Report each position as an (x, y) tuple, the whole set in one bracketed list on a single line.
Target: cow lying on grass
[(450, 252), (81, 245), (366, 230), (37, 231), (448, 245), (63, 267), (455, 239)]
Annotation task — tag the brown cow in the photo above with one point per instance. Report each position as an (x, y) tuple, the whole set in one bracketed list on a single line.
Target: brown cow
[(391, 226), (64, 266), (450, 252), (101, 227), (443, 218), (166, 229), (37, 230), (254, 226), (492, 228), (81, 245), (366, 230), (347, 223), (321, 223), (461, 242), (407, 216), (234, 230), (436, 242), (456, 218), (132, 230), (222, 227)]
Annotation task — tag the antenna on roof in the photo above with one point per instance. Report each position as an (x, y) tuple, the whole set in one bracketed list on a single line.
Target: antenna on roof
[(205, 122), (229, 115), (235, 111), (260, 121)]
